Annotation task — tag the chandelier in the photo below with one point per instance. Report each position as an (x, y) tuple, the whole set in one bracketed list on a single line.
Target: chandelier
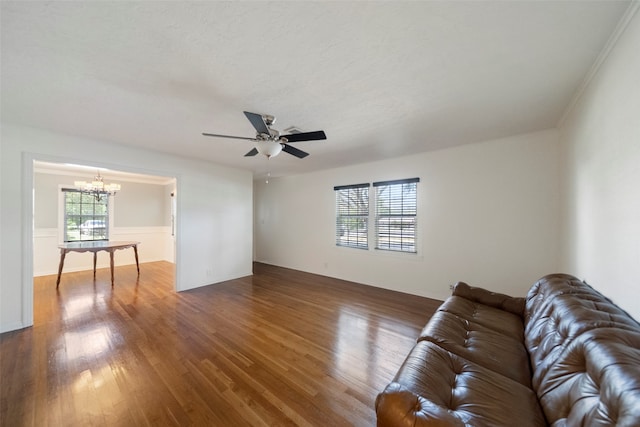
[(97, 188)]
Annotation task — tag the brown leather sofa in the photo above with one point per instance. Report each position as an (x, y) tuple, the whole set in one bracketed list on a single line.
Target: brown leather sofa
[(564, 356)]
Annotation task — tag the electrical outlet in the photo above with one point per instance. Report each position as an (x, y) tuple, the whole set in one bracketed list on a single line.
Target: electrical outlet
[(450, 287)]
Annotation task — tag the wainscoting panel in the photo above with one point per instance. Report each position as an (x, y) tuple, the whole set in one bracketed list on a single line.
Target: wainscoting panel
[(156, 244)]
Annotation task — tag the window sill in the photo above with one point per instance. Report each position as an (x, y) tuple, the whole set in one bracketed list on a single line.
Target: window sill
[(404, 256)]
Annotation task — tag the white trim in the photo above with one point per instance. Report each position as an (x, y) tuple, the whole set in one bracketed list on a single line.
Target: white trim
[(27, 191), (41, 233), (400, 255), (13, 327), (602, 56), (28, 194), (162, 229), (65, 169)]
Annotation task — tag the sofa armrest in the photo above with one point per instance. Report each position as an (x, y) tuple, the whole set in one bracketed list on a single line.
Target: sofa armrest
[(504, 302), (397, 406)]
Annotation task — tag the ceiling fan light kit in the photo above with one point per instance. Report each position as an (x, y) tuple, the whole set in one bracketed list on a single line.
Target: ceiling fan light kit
[(269, 148), (269, 142)]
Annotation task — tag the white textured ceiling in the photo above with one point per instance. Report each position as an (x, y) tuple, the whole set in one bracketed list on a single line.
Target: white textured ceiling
[(382, 79)]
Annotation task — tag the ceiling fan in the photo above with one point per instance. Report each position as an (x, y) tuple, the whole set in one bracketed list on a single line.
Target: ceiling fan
[(269, 142)]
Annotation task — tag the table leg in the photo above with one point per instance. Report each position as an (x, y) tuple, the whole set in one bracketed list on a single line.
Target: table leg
[(111, 263), (63, 253), (95, 258), (135, 250)]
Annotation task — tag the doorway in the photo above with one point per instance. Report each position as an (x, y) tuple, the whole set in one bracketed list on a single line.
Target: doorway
[(143, 210)]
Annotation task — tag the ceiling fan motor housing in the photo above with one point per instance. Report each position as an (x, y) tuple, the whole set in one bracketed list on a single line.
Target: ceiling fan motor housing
[(269, 119), (273, 135)]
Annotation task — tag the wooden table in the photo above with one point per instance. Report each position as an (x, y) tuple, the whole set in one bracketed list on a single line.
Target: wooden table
[(95, 247)]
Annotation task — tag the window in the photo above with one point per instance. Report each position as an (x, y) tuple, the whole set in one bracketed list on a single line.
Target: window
[(85, 217), (396, 214), (352, 215)]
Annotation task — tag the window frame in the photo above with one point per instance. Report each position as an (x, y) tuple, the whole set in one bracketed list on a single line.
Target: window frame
[(360, 214), (62, 216)]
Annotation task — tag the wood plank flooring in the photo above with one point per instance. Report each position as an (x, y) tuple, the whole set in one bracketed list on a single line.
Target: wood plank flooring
[(281, 347)]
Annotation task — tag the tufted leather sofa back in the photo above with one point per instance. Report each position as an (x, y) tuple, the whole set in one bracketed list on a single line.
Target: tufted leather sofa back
[(584, 353), (595, 382)]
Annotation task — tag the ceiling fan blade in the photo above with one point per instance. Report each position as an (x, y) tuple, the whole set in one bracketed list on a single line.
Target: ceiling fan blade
[(228, 136), (305, 136), (251, 153), (258, 122), (294, 151)]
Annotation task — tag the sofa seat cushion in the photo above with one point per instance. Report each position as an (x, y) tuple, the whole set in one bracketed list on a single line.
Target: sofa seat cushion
[(595, 381), (499, 352), (493, 318), (437, 387)]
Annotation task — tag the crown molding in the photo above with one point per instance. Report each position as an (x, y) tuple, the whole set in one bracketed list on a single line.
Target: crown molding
[(602, 56), (89, 172)]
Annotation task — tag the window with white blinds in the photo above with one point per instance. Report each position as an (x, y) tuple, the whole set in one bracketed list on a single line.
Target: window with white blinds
[(396, 214), (352, 215)]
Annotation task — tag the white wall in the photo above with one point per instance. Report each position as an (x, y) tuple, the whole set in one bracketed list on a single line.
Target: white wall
[(600, 142), (214, 229), (488, 214)]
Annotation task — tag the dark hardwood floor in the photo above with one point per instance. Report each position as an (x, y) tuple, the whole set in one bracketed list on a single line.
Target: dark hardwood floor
[(281, 347)]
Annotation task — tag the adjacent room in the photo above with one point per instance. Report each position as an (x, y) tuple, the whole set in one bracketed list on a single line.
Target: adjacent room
[(143, 212), (343, 213)]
